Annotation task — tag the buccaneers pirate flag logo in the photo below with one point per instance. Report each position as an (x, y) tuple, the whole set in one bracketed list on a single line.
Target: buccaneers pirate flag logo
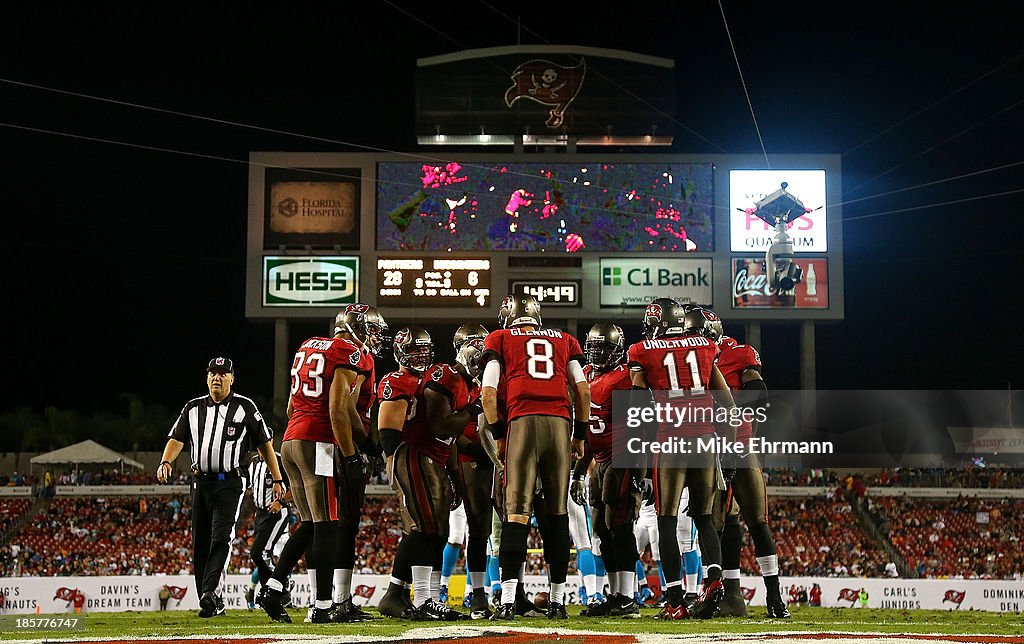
[(549, 84)]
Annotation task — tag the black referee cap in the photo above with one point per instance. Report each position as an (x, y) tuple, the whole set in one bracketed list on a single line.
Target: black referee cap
[(221, 364)]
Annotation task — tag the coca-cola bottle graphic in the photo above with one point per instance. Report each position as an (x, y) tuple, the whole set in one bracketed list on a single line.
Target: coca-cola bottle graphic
[(811, 281)]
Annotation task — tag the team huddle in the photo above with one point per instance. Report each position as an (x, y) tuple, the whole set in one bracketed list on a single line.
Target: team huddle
[(519, 432)]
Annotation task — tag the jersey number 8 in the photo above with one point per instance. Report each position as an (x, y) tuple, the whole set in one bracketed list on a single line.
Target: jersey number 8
[(541, 365)]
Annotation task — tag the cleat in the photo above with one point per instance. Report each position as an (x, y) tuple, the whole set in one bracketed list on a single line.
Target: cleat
[(777, 608), (250, 599), (625, 607), (449, 614), (444, 594), (707, 603), (321, 616), (602, 609), (394, 603), (270, 600), (467, 601), (431, 611), (504, 612), (210, 605), (355, 613), (670, 612), (478, 608), (338, 615), (557, 611), (584, 599), (496, 597), (733, 605)]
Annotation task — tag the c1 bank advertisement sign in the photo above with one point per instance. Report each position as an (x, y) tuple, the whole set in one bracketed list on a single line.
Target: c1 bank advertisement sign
[(635, 282), (748, 232)]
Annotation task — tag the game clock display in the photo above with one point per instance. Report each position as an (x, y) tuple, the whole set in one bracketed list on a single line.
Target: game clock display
[(434, 282), (549, 292)]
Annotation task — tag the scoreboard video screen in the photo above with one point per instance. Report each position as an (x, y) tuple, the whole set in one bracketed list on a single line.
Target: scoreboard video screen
[(545, 207), (433, 282)]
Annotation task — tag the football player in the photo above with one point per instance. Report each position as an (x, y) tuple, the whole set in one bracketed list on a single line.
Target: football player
[(323, 464), (678, 363), (471, 521), (740, 365), (615, 493), (539, 366), (417, 430), (365, 327)]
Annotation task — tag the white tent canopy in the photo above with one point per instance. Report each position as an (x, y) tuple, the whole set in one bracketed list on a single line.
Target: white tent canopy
[(86, 452)]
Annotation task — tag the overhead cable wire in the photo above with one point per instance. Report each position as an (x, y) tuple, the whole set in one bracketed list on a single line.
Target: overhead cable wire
[(743, 82), (937, 145), (939, 204), (929, 183), (935, 103)]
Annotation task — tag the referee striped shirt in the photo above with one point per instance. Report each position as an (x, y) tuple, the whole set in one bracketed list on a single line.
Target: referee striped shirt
[(262, 482), (220, 434)]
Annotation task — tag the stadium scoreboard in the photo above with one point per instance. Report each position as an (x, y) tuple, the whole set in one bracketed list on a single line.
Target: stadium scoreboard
[(549, 292), (433, 282), (593, 236)]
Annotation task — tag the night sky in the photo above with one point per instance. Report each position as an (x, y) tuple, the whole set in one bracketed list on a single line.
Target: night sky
[(124, 266)]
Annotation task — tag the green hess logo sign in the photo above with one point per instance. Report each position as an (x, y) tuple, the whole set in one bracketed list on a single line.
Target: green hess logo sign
[(310, 281)]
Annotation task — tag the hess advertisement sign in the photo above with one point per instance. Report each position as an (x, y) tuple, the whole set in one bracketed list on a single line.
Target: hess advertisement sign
[(751, 290), (310, 281), (636, 282), (748, 232)]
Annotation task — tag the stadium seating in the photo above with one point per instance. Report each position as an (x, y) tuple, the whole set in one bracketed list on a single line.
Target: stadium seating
[(817, 536)]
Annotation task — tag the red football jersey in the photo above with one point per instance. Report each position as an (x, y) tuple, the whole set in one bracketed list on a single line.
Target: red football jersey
[(312, 372), (535, 365), (733, 360), (600, 434), (367, 395), (460, 392), (681, 366), (416, 433)]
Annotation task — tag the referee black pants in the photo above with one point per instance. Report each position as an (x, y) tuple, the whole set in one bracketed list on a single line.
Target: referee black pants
[(270, 527), (215, 506)]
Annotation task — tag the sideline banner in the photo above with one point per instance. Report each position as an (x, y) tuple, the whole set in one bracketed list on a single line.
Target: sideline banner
[(23, 595)]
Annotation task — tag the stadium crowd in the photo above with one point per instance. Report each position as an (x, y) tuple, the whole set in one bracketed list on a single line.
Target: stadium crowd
[(816, 536)]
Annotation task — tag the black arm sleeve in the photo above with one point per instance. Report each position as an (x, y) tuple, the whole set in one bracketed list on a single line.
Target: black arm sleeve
[(755, 393), (390, 439)]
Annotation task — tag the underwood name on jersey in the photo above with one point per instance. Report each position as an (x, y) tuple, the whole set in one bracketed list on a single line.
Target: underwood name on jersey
[(677, 343)]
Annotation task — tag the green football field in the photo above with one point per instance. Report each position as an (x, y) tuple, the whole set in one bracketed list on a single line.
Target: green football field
[(180, 625)]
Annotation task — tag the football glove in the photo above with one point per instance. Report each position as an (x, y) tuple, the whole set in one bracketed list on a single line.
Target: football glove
[(578, 492)]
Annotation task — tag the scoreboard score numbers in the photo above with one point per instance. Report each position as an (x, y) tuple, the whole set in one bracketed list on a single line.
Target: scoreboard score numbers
[(429, 282)]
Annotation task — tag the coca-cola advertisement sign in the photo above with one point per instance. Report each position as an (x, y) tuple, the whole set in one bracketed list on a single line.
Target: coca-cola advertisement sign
[(751, 286)]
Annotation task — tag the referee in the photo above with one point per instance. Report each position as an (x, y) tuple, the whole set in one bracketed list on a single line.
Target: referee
[(273, 517), (219, 428)]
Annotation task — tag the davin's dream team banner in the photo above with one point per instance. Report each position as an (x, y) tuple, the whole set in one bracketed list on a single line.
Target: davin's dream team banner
[(26, 595)]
